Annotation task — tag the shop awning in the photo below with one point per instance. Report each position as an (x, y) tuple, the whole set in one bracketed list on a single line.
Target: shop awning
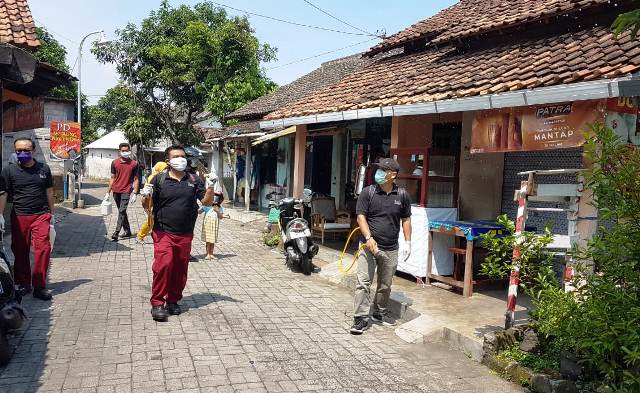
[(603, 88), (275, 135)]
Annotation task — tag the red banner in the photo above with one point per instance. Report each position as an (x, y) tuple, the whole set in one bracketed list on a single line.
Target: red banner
[(540, 127), (66, 140)]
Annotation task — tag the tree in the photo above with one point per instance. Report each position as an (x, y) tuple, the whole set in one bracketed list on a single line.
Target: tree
[(118, 108), (184, 60), (53, 53)]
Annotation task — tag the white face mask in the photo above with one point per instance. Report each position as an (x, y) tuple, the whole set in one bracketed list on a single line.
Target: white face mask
[(125, 154), (178, 163)]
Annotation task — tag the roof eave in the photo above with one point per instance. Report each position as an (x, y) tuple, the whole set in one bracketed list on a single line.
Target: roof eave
[(604, 88)]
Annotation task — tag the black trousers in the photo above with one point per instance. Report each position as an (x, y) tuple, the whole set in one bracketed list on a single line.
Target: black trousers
[(122, 202)]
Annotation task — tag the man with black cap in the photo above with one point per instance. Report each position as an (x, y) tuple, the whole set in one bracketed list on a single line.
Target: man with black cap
[(381, 208)]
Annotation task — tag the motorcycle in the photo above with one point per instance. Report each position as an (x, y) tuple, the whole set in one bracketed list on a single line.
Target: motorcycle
[(12, 315), (299, 248)]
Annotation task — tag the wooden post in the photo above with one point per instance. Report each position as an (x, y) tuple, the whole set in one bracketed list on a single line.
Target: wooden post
[(299, 158), (220, 167), (395, 132), (247, 175), (467, 290), (429, 255)]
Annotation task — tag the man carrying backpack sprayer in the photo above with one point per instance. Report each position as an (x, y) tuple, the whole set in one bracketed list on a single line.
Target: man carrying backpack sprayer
[(175, 209), (381, 208)]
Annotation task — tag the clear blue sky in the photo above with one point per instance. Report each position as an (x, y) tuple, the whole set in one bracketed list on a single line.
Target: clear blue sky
[(70, 20)]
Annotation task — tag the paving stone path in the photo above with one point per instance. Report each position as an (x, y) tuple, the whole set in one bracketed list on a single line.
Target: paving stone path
[(250, 326)]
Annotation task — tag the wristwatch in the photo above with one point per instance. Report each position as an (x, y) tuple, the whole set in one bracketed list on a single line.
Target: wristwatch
[(367, 238)]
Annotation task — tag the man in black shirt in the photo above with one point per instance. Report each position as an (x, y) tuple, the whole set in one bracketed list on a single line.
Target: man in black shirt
[(381, 208), (175, 209), (30, 184)]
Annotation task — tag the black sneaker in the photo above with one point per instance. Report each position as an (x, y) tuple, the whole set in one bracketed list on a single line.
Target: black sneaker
[(22, 290), (127, 235), (159, 314), (174, 309), (114, 237), (42, 293), (385, 320), (359, 326)]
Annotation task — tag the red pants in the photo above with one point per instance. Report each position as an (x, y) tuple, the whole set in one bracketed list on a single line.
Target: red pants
[(170, 265), (26, 230)]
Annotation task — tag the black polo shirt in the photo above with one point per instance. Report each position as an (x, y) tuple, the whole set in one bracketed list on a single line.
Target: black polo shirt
[(384, 213), (175, 207), (27, 187)]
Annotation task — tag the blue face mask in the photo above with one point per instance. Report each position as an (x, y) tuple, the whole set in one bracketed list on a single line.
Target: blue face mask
[(380, 177)]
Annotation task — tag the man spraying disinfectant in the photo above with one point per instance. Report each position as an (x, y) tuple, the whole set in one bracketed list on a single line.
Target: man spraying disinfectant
[(381, 208)]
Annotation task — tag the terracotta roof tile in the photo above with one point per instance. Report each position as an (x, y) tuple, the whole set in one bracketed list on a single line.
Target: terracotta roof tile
[(472, 17), (16, 24), (443, 73), (328, 73)]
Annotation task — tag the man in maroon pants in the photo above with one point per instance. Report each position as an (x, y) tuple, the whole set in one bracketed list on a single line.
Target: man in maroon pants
[(30, 184), (175, 209)]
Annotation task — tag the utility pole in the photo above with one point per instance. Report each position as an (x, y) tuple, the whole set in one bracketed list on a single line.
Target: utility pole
[(78, 194)]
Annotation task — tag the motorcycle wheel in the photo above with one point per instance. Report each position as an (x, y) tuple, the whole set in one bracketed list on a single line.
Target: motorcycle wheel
[(305, 265), (5, 350)]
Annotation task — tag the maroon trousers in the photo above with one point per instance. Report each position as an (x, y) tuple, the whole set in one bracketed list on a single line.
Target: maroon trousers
[(27, 231), (170, 265)]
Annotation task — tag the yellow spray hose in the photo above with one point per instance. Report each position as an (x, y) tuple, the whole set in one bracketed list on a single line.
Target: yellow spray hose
[(344, 251)]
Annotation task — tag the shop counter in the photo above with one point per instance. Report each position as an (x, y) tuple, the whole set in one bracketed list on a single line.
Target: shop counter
[(416, 265), (471, 231)]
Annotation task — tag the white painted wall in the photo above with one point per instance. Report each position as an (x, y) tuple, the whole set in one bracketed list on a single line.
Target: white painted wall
[(98, 163)]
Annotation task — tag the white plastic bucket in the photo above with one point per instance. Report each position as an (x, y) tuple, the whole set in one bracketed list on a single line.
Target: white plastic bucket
[(105, 208)]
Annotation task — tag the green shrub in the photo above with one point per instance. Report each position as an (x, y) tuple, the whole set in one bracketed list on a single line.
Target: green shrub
[(600, 320), (547, 361), (272, 239)]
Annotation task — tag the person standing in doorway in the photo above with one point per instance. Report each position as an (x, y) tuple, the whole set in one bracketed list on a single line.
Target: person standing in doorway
[(124, 180), (30, 185), (381, 209), (175, 195), (241, 165)]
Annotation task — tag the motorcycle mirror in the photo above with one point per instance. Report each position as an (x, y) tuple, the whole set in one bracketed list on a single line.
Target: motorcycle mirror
[(307, 193)]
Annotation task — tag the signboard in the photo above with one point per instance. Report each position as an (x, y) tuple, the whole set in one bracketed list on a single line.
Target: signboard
[(622, 118), (539, 127), (65, 140)]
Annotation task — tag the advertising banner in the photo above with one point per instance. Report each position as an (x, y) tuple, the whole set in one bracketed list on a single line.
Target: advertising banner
[(66, 140), (539, 127)]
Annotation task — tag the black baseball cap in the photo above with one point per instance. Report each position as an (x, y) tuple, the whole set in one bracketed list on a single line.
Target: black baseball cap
[(388, 164)]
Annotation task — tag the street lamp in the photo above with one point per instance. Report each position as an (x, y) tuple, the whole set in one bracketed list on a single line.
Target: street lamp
[(102, 40)]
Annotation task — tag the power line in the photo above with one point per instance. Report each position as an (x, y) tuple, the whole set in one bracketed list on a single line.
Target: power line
[(340, 20), (56, 33), (320, 54), (288, 21), (75, 63)]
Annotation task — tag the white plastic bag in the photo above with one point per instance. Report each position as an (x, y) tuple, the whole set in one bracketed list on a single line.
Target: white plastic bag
[(105, 207), (52, 235)]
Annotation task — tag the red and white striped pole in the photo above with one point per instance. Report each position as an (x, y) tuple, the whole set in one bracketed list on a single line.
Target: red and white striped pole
[(514, 280)]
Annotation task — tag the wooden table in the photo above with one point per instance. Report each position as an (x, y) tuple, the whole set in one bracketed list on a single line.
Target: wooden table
[(471, 231)]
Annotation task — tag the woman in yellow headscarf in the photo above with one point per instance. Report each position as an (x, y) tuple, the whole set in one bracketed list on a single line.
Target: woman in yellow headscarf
[(147, 225)]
